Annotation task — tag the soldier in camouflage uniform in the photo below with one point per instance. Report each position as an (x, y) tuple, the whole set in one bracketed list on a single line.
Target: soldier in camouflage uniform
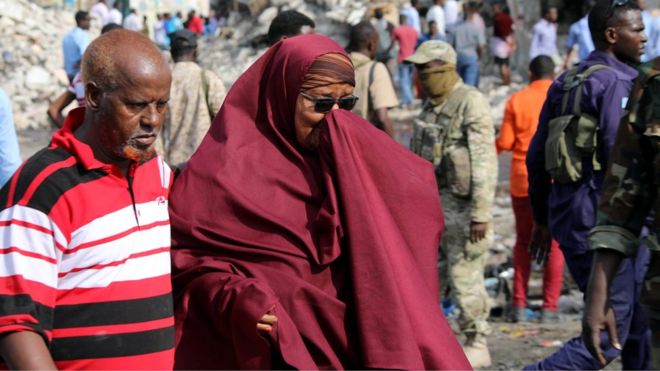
[(630, 194), (455, 132)]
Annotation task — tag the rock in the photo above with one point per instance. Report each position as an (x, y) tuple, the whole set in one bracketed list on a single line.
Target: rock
[(267, 16), (37, 77)]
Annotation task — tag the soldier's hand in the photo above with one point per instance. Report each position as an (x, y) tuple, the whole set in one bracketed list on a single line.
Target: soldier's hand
[(477, 231), (539, 244)]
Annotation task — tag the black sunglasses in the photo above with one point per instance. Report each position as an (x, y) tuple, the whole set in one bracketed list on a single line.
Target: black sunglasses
[(325, 104), (617, 3)]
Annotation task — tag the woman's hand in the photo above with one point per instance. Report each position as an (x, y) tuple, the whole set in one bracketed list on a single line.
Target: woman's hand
[(267, 322)]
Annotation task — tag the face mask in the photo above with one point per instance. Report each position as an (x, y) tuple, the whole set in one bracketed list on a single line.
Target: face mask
[(438, 82)]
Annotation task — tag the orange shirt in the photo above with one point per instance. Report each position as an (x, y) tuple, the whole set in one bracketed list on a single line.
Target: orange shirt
[(521, 117)]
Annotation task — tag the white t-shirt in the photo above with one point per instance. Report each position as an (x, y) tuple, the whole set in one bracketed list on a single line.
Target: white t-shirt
[(133, 22), (452, 13), (100, 11), (436, 14), (114, 16)]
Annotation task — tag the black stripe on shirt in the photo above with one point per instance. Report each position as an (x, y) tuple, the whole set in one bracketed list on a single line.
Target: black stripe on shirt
[(32, 168), (113, 312), (55, 185), (23, 304), (117, 345)]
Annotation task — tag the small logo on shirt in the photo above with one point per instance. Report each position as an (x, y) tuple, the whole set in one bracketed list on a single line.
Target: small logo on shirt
[(161, 201), (624, 102)]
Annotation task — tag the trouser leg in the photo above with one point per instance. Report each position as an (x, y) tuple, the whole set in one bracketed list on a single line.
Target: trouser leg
[(553, 277), (463, 263), (521, 257)]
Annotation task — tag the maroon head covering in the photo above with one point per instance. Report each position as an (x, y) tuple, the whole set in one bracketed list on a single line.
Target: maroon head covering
[(340, 242)]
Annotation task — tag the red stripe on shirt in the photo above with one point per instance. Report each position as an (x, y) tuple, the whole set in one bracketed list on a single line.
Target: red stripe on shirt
[(114, 329), (18, 285), (12, 186), (117, 236), (118, 262), (30, 254), (125, 290), (45, 173), (36, 227)]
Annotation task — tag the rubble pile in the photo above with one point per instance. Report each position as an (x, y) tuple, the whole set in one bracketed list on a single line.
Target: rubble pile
[(31, 69)]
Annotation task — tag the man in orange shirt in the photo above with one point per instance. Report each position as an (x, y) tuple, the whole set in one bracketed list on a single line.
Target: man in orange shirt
[(521, 118)]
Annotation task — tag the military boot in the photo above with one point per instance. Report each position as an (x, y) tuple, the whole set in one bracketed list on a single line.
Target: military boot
[(476, 351)]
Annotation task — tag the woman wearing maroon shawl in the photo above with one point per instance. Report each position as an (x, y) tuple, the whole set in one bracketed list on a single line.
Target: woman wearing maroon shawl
[(318, 219)]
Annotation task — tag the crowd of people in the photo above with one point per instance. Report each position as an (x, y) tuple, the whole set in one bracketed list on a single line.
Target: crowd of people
[(173, 224)]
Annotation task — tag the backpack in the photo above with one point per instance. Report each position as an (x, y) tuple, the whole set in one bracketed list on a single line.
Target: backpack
[(573, 136)]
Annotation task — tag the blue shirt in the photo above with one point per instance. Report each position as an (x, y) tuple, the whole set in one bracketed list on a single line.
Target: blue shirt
[(544, 39), (653, 44), (579, 34), (73, 46), (10, 157), (570, 209)]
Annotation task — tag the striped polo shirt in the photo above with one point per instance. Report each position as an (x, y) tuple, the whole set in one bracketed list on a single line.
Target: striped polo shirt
[(85, 257)]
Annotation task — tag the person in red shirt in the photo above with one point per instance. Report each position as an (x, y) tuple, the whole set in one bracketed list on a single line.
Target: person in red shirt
[(503, 43), (195, 23), (406, 36), (521, 118)]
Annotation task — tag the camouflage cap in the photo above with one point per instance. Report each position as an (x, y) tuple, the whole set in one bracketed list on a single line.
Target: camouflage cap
[(433, 50)]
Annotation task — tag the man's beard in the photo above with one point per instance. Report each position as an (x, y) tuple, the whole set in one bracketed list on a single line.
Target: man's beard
[(138, 155)]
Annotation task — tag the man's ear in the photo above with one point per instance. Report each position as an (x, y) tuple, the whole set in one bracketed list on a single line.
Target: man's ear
[(611, 35), (93, 96)]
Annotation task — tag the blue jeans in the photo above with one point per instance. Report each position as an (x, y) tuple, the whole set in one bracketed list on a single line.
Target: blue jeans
[(468, 68), (405, 83), (630, 318)]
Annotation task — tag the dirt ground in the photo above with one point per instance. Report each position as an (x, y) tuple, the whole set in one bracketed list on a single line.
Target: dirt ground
[(513, 345)]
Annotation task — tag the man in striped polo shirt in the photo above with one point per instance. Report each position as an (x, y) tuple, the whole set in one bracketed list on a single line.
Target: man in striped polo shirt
[(84, 228)]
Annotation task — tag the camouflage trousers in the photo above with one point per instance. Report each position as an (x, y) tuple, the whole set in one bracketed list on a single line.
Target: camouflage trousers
[(653, 318), (461, 266)]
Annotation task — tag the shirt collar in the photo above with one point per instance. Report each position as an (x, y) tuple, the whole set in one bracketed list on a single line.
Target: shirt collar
[(65, 139), (622, 70)]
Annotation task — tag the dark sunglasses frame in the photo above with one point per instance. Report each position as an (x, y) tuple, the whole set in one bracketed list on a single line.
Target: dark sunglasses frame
[(324, 104), (617, 3)]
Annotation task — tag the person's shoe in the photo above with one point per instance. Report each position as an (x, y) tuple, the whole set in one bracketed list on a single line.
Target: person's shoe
[(476, 351), (549, 316), (518, 314)]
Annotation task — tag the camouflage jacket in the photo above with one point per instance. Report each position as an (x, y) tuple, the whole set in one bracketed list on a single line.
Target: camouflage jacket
[(632, 183), (459, 138)]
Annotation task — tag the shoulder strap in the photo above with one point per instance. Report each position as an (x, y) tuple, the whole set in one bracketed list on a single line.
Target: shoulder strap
[(370, 104), (574, 79)]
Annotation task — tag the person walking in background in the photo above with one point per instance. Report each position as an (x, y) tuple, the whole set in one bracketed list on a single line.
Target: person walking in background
[(100, 11), (196, 97), (437, 15), (469, 43), (503, 43), (580, 37), (544, 35), (160, 33), (454, 131), (384, 28), (133, 22), (10, 157), (195, 23), (433, 34), (114, 15), (647, 18), (564, 187), (75, 43), (411, 11), (452, 14), (372, 81), (287, 24), (406, 37), (518, 127)]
